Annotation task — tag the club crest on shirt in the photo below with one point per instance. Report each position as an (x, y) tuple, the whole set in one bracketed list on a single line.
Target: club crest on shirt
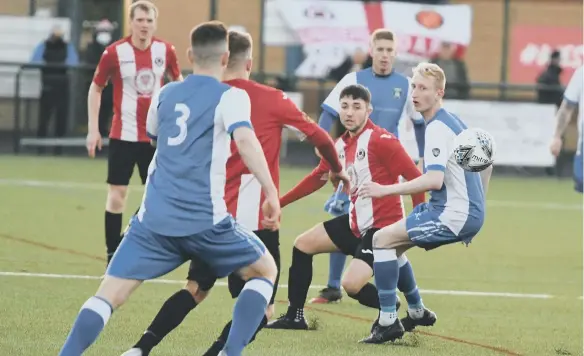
[(397, 93), (361, 154), (435, 152), (158, 61), (145, 81)]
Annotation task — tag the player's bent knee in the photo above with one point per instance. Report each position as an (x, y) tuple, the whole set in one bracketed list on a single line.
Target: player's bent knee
[(116, 198), (115, 290), (196, 292), (264, 267), (351, 286)]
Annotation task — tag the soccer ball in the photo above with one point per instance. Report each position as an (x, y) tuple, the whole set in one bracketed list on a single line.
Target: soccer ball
[(474, 150)]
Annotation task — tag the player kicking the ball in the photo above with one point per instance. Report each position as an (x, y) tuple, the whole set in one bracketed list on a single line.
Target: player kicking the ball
[(368, 153), (455, 212)]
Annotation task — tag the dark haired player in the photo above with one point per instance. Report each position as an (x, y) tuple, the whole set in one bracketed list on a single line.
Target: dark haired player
[(369, 154)]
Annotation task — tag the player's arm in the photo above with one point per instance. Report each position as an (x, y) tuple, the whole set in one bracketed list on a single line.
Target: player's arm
[(173, 66), (235, 109), (308, 185), (291, 116), (567, 109), (419, 124), (104, 70), (436, 157), (152, 117), (330, 106)]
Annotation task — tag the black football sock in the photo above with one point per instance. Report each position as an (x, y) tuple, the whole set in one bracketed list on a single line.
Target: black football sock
[(220, 343), (113, 229), (172, 313), (367, 296), (299, 279)]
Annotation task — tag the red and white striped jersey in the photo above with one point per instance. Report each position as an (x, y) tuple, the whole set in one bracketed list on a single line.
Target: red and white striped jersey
[(271, 111), (136, 75), (374, 155)]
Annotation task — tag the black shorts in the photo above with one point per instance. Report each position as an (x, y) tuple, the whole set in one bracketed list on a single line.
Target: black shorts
[(201, 273), (339, 231), (123, 156)]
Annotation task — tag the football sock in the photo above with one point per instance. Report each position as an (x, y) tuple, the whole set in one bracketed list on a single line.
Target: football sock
[(172, 313), (91, 319), (407, 285), (336, 266), (113, 229), (386, 272), (248, 313), (225, 333), (299, 278), (367, 296)]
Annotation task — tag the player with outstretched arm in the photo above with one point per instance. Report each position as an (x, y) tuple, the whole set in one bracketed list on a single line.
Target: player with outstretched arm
[(369, 154), (455, 212), (392, 103)]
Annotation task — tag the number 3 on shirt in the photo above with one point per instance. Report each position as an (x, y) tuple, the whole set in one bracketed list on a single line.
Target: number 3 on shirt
[(181, 122)]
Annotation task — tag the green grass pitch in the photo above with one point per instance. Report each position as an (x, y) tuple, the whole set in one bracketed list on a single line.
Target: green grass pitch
[(51, 222)]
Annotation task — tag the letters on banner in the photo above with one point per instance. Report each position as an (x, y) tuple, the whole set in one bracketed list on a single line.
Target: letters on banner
[(331, 30), (522, 131)]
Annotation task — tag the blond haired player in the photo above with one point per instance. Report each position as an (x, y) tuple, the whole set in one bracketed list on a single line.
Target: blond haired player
[(455, 212), (136, 65)]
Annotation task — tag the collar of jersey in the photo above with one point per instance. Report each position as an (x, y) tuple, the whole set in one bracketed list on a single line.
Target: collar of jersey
[(199, 77), (347, 136), (436, 115), (382, 76)]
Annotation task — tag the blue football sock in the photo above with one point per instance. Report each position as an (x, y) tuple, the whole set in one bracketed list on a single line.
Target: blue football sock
[(407, 284), (336, 266), (248, 313), (386, 276), (90, 321)]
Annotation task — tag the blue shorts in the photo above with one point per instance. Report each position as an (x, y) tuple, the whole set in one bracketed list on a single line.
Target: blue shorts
[(578, 167), (144, 254), (426, 230)]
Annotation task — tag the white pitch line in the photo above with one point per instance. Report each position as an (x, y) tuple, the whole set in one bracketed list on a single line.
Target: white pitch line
[(219, 283), (94, 186)]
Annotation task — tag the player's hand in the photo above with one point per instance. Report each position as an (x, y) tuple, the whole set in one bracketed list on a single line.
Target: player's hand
[(342, 176), (317, 152), (93, 141), (556, 146), (373, 190), (271, 210)]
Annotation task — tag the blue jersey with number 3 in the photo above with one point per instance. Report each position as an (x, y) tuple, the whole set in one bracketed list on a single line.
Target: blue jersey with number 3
[(192, 122)]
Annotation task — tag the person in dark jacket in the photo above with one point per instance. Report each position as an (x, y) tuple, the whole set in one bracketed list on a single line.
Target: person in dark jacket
[(102, 37), (54, 81), (551, 77)]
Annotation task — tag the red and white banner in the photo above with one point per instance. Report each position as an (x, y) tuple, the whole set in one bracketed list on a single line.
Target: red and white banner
[(531, 47), (331, 30)]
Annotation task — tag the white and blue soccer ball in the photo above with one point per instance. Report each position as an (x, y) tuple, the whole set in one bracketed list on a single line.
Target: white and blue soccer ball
[(474, 150)]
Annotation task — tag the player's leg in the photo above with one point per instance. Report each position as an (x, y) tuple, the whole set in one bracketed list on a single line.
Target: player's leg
[(417, 314), (271, 240), (142, 255), (332, 292), (200, 280), (121, 163), (227, 248), (330, 236)]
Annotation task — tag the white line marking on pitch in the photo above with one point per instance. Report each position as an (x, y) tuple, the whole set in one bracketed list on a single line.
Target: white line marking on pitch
[(171, 281), (94, 186)]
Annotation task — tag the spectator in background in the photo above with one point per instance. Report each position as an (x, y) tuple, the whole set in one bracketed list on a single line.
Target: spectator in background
[(551, 77), (458, 86), (54, 81), (102, 37)]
